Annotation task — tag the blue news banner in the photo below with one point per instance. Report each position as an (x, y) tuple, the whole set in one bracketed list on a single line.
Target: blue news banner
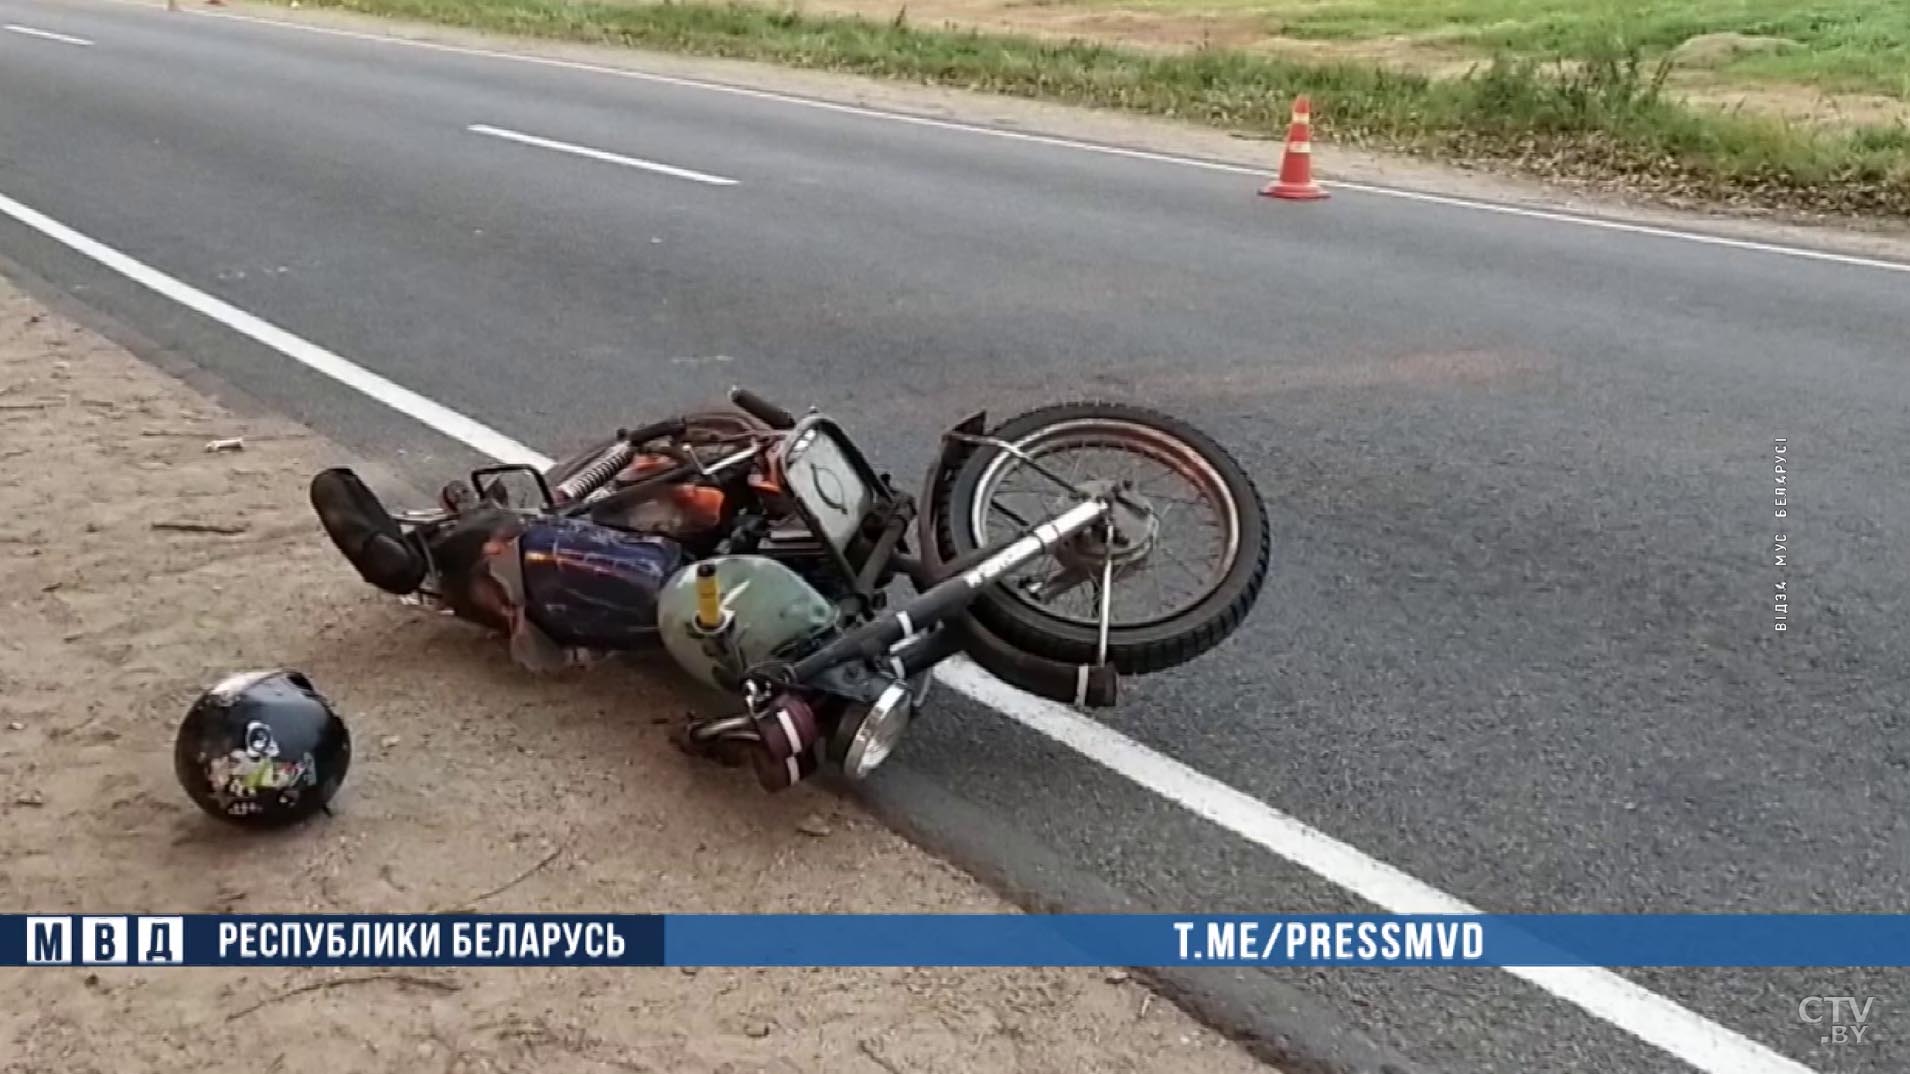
[(1141, 940)]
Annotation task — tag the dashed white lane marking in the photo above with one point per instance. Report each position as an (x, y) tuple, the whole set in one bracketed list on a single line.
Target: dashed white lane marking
[(45, 35), (1548, 215), (600, 154)]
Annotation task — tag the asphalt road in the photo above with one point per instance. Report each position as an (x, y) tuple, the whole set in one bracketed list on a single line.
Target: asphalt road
[(1519, 641)]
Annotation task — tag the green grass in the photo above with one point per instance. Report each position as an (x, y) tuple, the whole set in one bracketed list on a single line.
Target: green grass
[(1849, 45), (1553, 24), (1604, 120)]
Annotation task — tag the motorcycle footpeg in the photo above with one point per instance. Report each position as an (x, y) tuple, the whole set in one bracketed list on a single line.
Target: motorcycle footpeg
[(366, 534), (727, 754)]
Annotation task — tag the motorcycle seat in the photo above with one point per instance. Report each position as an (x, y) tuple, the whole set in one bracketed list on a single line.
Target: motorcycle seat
[(365, 533)]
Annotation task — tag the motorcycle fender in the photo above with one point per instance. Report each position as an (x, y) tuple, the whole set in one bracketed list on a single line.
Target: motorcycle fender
[(949, 455)]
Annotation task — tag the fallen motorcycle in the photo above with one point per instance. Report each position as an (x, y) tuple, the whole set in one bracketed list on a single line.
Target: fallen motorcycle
[(759, 550)]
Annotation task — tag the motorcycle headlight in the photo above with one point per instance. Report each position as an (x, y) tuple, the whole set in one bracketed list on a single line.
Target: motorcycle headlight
[(875, 733)]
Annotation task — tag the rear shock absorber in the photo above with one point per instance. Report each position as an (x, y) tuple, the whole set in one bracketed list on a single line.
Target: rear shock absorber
[(614, 458), (593, 477)]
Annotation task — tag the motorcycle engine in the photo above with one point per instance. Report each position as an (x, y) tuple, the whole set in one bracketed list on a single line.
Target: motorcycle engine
[(769, 612)]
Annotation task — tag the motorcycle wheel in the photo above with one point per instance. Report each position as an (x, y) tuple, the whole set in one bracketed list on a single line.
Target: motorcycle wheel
[(1142, 637)]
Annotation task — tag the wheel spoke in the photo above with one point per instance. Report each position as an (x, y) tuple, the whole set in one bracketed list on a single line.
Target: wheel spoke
[(1168, 486), (1012, 516)]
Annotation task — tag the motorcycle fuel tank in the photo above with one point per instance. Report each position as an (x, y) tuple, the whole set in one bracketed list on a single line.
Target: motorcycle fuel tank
[(768, 607), (593, 587)]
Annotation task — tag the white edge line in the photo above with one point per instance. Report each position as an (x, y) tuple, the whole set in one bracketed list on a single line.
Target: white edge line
[(1552, 216), (1629, 228), (405, 401), (46, 34), (1648, 1016), (599, 154)]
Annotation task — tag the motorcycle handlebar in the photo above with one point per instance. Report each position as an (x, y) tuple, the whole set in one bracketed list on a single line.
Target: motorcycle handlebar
[(757, 406), (638, 437)]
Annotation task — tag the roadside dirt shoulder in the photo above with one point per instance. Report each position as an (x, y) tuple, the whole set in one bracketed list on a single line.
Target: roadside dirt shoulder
[(136, 567)]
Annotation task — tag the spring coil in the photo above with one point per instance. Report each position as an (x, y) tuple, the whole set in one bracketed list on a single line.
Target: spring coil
[(592, 477)]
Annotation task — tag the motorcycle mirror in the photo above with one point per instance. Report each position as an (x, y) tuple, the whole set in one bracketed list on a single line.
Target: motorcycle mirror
[(511, 486)]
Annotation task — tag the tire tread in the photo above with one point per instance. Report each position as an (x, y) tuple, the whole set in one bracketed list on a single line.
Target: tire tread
[(1007, 618)]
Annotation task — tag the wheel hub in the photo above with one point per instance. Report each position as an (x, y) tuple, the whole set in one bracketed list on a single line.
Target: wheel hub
[(1132, 528)]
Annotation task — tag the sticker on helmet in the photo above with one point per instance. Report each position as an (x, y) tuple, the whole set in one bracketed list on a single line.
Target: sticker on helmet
[(241, 774), (259, 741)]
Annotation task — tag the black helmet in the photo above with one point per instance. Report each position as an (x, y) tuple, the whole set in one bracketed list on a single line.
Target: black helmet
[(262, 749)]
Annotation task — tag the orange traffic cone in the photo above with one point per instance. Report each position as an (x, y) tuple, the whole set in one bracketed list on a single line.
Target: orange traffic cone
[(1296, 166)]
